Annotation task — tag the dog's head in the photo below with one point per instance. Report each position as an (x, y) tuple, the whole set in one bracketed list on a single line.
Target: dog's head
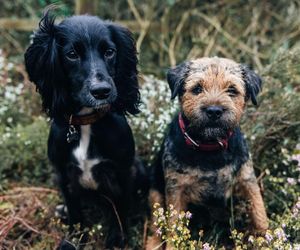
[(83, 62), (212, 93)]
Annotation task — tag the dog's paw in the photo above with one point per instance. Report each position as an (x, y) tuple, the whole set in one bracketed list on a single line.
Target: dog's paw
[(61, 212), (66, 245)]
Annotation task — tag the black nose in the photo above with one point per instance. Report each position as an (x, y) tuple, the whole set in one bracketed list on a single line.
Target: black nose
[(100, 91), (214, 112)]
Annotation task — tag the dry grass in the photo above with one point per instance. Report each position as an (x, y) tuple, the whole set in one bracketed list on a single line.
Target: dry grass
[(26, 217)]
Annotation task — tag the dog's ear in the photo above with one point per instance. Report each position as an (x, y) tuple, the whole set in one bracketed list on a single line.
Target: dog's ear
[(176, 77), (126, 77), (253, 83), (43, 65)]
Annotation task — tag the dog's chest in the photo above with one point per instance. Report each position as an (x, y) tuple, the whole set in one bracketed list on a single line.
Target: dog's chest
[(85, 164), (197, 186)]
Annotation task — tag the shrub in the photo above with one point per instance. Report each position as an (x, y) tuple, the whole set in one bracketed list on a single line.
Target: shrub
[(23, 153), (18, 104)]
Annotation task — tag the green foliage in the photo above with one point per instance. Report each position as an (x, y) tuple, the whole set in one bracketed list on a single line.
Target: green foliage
[(18, 103), (34, 8), (273, 130), (172, 227), (23, 153)]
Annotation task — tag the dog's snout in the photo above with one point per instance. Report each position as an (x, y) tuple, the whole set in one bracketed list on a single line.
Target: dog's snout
[(101, 91), (214, 112)]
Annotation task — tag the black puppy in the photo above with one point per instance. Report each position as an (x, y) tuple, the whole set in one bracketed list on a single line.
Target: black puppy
[(85, 70)]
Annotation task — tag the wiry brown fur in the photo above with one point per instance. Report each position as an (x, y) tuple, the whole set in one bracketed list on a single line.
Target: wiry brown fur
[(207, 179), (247, 185), (215, 75)]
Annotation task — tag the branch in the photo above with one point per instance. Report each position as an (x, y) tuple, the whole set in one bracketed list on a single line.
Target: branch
[(178, 29), (135, 12), (234, 40)]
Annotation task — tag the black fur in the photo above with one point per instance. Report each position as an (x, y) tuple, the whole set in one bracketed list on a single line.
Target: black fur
[(48, 68), (65, 61), (176, 77), (253, 83)]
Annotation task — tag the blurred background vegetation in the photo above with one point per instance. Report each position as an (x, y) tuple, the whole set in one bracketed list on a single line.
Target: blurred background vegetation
[(263, 34)]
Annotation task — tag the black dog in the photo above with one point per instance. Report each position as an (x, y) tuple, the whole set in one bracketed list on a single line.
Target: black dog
[(85, 70)]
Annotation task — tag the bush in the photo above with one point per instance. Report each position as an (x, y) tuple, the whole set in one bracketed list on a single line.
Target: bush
[(24, 153), (18, 102)]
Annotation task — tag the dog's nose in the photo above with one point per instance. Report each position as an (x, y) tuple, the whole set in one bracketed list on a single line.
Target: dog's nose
[(214, 112), (100, 91)]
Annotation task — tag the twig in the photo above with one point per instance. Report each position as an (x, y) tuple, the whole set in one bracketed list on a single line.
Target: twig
[(13, 41), (145, 232), (22, 221), (135, 12), (178, 29), (144, 24), (234, 40), (35, 189), (210, 44)]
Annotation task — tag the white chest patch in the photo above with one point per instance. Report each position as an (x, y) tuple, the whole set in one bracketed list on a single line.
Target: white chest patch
[(86, 179)]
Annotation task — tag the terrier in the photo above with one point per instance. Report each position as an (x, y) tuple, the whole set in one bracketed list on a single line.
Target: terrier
[(204, 155)]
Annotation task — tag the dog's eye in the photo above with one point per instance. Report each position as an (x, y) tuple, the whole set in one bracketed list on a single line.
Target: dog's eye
[(72, 55), (197, 90), (232, 91), (109, 53)]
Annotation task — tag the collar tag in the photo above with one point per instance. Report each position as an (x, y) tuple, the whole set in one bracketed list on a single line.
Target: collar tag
[(72, 134)]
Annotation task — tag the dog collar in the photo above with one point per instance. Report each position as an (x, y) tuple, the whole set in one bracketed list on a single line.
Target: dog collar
[(72, 134), (89, 118), (221, 144)]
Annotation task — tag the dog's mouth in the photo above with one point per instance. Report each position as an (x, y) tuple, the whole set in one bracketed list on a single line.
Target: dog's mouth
[(210, 131), (208, 134), (103, 108), (213, 133), (98, 104)]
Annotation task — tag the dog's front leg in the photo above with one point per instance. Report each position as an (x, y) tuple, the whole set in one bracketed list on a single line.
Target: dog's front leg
[(73, 205), (71, 199), (117, 216), (175, 196), (247, 183), (72, 202)]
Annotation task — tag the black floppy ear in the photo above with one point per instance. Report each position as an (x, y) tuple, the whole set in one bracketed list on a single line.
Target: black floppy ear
[(126, 77), (43, 65), (176, 77), (253, 83)]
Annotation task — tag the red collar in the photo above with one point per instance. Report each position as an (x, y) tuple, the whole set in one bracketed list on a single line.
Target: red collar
[(89, 118), (219, 145)]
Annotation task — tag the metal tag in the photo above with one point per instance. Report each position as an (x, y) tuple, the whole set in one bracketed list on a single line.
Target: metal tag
[(72, 135)]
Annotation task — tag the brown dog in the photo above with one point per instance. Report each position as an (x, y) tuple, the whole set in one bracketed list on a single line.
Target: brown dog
[(204, 154)]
